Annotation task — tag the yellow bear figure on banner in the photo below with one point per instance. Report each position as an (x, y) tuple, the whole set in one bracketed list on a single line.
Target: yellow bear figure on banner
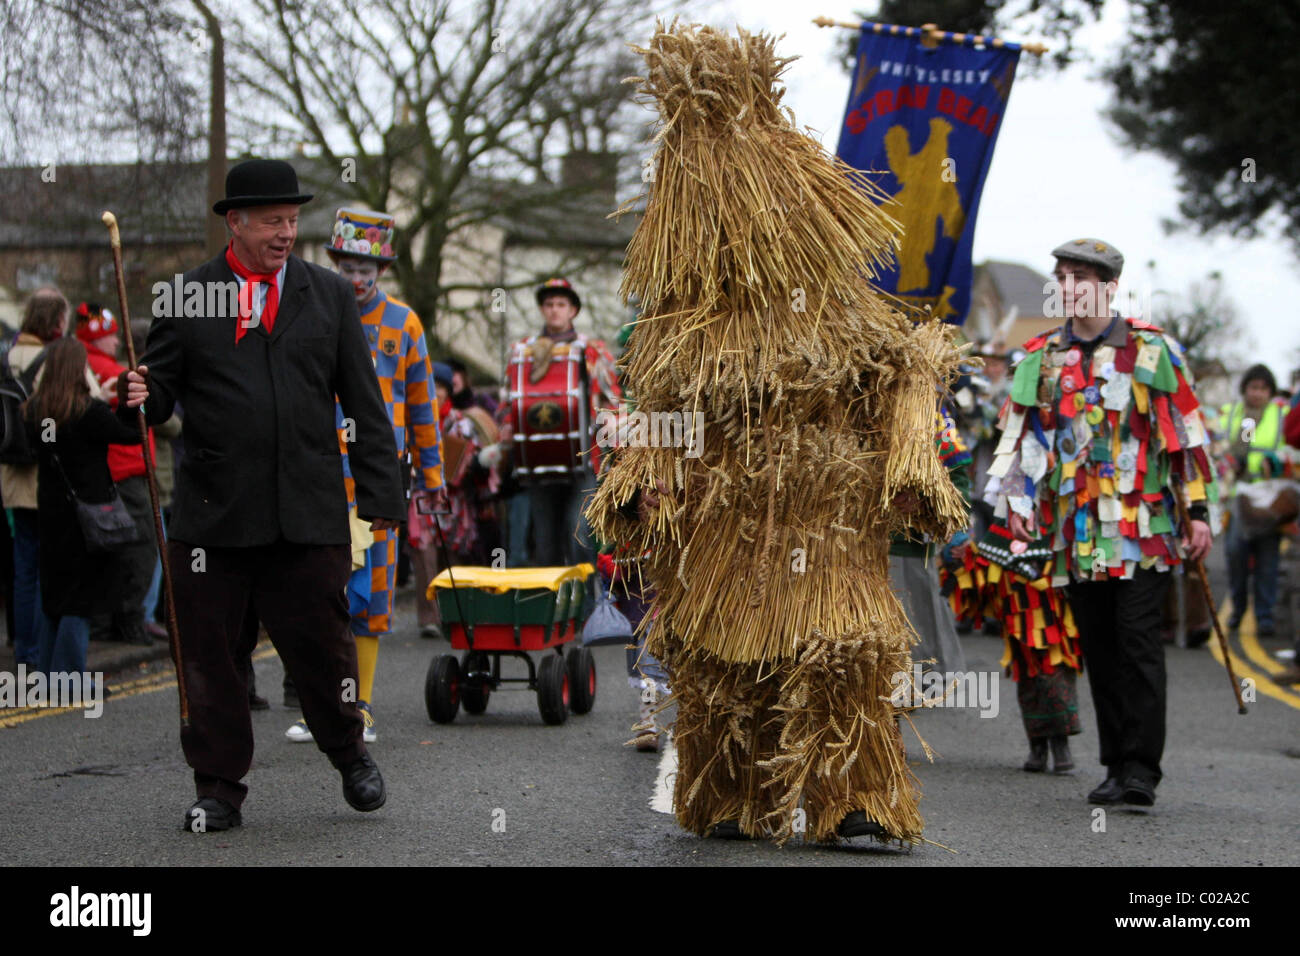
[(926, 196)]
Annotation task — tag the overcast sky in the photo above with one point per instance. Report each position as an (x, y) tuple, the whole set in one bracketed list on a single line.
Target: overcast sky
[(1058, 174)]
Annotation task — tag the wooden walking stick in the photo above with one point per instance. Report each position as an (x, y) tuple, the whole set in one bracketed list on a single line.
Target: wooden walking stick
[(1184, 515), (173, 633)]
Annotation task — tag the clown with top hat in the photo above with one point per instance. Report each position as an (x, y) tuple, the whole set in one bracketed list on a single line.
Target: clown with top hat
[(361, 248)]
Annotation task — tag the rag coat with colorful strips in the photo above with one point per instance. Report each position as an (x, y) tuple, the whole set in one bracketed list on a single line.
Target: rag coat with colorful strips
[(1097, 450)]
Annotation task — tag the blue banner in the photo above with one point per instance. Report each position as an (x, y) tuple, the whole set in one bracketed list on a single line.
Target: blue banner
[(923, 121)]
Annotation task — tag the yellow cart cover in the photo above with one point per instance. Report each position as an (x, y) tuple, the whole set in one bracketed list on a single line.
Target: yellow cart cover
[(498, 581)]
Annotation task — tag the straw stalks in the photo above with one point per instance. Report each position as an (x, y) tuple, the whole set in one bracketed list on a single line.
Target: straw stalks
[(753, 265)]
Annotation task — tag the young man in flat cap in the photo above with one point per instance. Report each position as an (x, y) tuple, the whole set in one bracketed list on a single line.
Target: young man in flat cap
[(1101, 433), (260, 515)]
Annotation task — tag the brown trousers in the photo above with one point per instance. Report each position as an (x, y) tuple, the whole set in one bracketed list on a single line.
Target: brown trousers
[(426, 564), (297, 592)]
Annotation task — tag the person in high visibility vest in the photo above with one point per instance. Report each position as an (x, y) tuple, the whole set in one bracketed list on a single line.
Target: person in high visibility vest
[(1252, 429)]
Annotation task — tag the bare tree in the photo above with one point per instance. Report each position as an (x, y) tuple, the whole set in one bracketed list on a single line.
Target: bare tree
[(457, 114), (1206, 323), (85, 81)]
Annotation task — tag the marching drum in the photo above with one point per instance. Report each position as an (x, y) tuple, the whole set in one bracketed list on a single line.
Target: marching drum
[(550, 417)]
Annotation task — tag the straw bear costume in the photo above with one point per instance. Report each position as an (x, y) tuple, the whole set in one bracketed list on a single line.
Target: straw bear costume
[(769, 553)]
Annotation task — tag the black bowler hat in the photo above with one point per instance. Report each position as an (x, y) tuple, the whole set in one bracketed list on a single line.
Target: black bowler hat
[(260, 182)]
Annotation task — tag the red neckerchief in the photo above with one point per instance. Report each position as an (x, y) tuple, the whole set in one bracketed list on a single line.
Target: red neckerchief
[(246, 294)]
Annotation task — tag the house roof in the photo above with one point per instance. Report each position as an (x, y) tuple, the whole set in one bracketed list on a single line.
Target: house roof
[(166, 202), (1017, 285)]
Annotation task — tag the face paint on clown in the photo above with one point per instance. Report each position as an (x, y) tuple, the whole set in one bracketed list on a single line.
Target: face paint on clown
[(363, 274)]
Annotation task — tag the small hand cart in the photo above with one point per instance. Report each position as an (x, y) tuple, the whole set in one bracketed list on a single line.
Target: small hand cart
[(493, 613)]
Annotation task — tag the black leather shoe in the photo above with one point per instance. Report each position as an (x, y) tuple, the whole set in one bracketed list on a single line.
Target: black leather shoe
[(1110, 791), (858, 824), (211, 813), (1062, 759), (258, 703), (727, 830), (363, 785), (1138, 792), (1037, 761)]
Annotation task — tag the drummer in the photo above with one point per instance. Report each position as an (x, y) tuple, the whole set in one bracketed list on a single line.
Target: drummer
[(561, 535)]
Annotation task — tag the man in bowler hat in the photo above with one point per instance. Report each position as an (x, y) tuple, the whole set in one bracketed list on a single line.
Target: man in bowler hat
[(260, 516)]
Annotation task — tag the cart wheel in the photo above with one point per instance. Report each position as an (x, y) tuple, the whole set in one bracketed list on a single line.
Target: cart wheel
[(442, 689), (474, 692), (553, 689), (581, 666)]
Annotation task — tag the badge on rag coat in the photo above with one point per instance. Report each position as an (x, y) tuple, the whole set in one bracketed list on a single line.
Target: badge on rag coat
[(1148, 361), (1115, 393)]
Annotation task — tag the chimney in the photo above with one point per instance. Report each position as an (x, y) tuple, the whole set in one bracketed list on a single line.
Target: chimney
[(595, 171)]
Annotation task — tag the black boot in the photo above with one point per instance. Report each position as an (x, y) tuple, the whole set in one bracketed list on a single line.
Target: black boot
[(255, 702), (290, 693), (363, 785), (1108, 791), (1037, 761), (858, 824), (1062, 761), (727, 830), (130, 630)]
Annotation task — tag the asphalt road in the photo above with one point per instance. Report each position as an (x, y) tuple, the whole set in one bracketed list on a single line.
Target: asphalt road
[(113, 790)]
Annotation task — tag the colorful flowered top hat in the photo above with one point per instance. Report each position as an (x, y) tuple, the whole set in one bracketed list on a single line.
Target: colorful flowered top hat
[(364, 233)]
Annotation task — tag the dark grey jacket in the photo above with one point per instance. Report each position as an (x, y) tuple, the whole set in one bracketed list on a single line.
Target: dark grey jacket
[(261, 449)]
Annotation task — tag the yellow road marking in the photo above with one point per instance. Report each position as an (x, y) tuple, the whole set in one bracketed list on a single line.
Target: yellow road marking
[(1249, 641), (1263, 683), (149, 684)]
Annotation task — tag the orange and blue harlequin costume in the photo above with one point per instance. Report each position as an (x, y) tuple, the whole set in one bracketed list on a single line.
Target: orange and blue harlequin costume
[(401, 358), (401, 361)]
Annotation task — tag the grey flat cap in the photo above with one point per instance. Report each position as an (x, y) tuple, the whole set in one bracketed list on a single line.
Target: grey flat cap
[(1093, 251)]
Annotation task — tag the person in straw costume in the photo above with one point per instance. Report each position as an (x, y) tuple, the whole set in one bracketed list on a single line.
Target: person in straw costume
[(768, 546)]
